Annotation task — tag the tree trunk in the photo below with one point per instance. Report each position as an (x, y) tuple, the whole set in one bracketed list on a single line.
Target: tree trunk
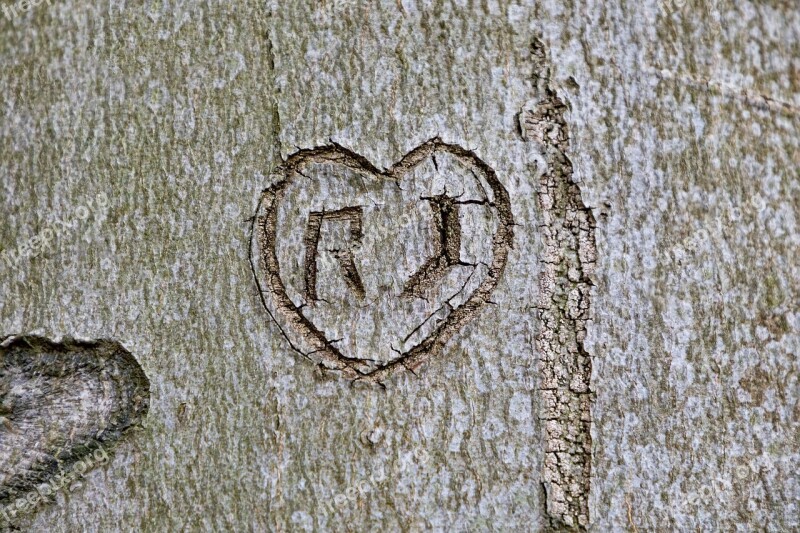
[(402, 265)]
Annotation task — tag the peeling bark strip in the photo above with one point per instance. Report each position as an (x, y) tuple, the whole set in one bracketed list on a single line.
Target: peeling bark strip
[(58, 402), (451, 289), (565, 290)]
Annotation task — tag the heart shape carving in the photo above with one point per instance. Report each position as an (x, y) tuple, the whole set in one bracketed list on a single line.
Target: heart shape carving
[(369, 271), (59, 402)]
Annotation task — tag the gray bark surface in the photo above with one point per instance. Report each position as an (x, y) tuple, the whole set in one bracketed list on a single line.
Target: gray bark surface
[(632, 364)]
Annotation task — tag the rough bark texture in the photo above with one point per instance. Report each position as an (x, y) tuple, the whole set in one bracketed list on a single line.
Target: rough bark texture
[(635, 366), (565, 367)]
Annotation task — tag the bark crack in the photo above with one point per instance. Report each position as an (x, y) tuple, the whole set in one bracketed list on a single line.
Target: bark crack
[(565, 366)]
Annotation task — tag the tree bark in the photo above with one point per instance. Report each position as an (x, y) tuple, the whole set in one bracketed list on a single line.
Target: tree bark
[(408, 265)]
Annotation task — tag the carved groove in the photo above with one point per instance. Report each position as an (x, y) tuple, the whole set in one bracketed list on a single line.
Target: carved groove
[(289, 316), (447, 249), (353, 215), (58, 401)]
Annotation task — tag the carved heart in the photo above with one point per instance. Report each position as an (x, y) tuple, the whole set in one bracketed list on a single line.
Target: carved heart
[(60, 401), (368, 271)]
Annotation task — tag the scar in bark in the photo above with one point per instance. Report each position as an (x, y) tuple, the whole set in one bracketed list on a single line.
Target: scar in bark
[(447, 248), (344, 256)]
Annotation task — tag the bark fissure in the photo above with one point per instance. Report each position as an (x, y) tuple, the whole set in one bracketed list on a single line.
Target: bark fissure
[(563, 308)]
